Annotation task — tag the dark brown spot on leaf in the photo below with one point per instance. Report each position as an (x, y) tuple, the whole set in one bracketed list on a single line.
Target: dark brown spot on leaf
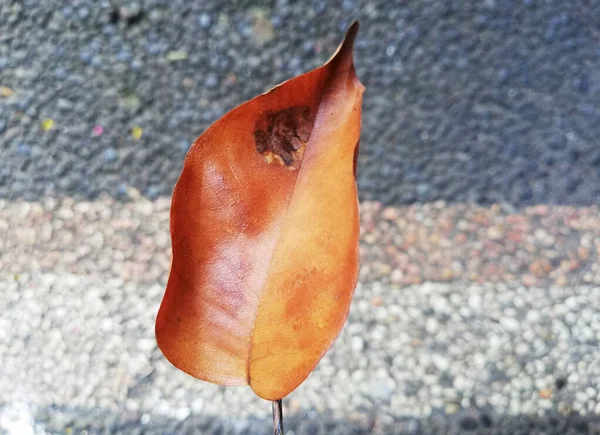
[(356, 151), (281, 136)]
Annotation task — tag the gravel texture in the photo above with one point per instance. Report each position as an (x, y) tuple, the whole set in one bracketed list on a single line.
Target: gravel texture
[(536, 246), (80, 285), (472, 101)]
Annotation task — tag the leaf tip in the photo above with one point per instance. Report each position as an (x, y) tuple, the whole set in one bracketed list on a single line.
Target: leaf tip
[(344, 52), (351, 33), (343, 57)]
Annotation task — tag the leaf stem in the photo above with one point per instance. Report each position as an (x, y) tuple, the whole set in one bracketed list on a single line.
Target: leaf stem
[(277, 418)]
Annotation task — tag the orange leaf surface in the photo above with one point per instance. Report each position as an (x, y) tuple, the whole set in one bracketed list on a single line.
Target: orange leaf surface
[(264, 225)]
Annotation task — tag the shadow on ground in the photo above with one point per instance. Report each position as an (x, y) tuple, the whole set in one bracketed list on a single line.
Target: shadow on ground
[(77, 420)]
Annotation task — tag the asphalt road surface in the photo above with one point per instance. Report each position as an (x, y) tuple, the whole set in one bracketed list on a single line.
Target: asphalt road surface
[(467, 101)]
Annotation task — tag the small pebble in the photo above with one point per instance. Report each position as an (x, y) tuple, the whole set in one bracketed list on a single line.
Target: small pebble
[(47, 124), (211, 81), (136, 133), (177, 55), (97, 131), (204, 20), (110, 155), (6, 92)]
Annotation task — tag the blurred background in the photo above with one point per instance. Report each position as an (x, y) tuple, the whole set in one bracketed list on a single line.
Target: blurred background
[(479, 177)]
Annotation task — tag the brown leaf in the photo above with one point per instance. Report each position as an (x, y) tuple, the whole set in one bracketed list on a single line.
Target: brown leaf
[(264, 225)]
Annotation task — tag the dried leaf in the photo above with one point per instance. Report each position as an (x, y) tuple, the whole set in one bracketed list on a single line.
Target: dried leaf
[(264, 225)]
